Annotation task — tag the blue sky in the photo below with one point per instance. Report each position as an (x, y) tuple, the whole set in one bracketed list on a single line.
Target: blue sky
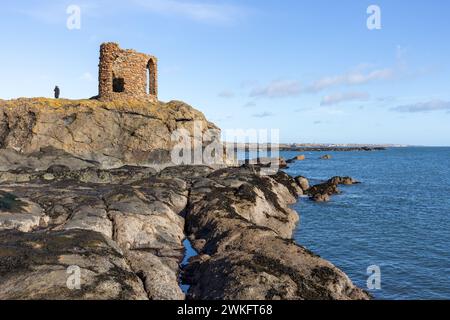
[(310, 68)]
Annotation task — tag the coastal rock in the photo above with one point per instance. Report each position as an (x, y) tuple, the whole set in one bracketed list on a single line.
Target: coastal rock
[(291, 184), (243, 193), (140, 218), (282, 163), (124, 229), (296, 158), (39, 266), (20, 214), (320, 197), (159, 275), (250, 257), (86, 184), (303, 183), (278, 163), (343, 180), (109, 133), (41, 160), (257, 265), (322, 192)]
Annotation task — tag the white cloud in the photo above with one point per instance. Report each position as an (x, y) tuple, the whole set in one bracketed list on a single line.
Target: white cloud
[(277, 89), (344, 97), (287, 88), (352, 78), (361, 74), (434, 105)]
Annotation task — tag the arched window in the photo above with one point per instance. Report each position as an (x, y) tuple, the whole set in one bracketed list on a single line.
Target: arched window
[(152, 85)]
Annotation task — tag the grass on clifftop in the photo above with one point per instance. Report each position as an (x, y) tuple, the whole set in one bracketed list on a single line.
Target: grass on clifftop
[(58, 103), (173, 110)]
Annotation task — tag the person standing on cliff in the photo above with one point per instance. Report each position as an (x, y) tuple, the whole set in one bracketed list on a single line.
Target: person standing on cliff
[(57, 92)]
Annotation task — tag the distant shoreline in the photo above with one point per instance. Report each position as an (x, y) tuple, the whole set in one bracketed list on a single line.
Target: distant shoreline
[(309, 147)]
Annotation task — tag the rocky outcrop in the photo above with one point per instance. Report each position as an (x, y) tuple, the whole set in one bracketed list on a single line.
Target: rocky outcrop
[(323, 191), (110, 133), (343, 180), (241, 225), (296, 158), (123, 228), (38, 266), (303, 183), (279, 163)]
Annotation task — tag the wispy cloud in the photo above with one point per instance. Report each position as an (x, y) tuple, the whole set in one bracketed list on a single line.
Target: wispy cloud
[(344, 97), (351, 78), (226, 94), (262, 115), (277, 89), (359, 75), (289, 88), (201, 11), (429, 106)]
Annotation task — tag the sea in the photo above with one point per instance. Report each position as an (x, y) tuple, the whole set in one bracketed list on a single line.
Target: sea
[(391, 233)]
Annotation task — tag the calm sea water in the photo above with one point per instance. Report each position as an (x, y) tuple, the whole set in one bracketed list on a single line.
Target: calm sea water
[(397, 219)]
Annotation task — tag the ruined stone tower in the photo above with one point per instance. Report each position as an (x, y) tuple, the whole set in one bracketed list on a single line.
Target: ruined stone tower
[(126, 74)]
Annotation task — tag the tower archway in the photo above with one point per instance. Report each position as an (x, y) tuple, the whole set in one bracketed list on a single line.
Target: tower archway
[(152, 78)]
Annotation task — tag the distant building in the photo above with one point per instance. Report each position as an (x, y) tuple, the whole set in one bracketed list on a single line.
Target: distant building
[(126, 74)]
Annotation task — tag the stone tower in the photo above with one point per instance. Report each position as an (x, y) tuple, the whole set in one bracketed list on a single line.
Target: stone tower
[(126, 74)]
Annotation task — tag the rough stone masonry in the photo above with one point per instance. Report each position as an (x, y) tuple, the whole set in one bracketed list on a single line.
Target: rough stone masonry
[(126, 74)]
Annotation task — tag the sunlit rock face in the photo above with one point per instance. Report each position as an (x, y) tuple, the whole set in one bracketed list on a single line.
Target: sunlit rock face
[(112, 134)]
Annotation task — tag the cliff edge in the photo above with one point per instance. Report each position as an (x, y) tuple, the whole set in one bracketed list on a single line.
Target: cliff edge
[(110, 133)]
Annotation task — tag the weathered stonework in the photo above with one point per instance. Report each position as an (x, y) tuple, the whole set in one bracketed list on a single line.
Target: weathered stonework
[(126, 74)]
